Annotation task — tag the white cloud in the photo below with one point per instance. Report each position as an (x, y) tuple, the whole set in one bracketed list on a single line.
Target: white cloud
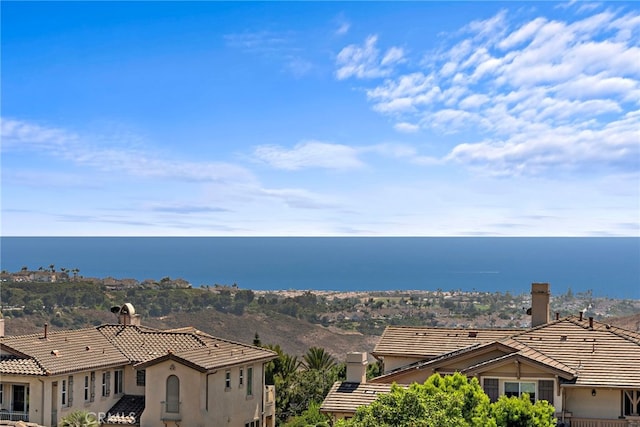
[(406, 127), (364, 62), (528, 96), (309, 154), (111, 157)]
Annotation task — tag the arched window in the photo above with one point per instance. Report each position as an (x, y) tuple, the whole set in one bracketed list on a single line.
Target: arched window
[(173, 394)]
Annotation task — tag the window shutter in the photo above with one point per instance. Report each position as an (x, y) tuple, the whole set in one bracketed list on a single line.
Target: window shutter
[(491, 388), (545, 390), (70, 391), (108, 383), (93, 387)]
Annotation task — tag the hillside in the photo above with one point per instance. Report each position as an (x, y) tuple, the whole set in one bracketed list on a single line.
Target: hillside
[(295, 336), (295, 320)]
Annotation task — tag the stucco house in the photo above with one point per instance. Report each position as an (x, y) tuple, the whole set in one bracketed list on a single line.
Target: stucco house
[(129, 374), (588, 370)]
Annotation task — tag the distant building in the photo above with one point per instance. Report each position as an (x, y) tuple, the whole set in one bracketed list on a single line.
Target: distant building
[(128, 374), (589, 371)]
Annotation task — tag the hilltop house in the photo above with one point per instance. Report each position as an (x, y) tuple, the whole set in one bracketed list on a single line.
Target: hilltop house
[(589, 371), (128, 374)]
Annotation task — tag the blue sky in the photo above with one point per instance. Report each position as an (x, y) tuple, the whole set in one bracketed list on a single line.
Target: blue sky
[(320, 119)]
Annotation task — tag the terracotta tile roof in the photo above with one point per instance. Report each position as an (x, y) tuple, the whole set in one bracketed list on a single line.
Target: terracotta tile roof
[(217, 353), (391, 375), (601, 356), (62, 351), (114, 345), (347, 397), (127, 410), (19, 366), (432, 342), (140, 344)]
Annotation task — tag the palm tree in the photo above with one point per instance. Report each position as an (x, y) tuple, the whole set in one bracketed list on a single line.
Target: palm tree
[(284, 366), (79, 418), (52, 267), (75, 272), (317, 358)]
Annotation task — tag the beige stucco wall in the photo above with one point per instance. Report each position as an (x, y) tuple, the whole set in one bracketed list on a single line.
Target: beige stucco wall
[(226, 407), (413, 376), (42, 403), (37, 390), (393, 362), (100, 405), (605, 404)]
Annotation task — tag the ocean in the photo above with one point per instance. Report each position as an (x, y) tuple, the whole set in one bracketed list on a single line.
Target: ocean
[(608, 267)]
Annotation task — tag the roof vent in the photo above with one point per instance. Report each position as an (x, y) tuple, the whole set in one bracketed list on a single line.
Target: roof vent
[(56, 353), (473, 334), (563, 337)]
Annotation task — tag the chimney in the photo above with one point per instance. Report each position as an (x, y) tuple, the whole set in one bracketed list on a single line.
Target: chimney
[(1, 327), (557, 316), (128, 316), (581, 314), (46, 331), (357, 367), (539, 304), (590, 322)]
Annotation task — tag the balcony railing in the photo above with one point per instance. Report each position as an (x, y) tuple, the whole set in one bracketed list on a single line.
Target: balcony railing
[(13, 416), (591, 422), (170, 411)]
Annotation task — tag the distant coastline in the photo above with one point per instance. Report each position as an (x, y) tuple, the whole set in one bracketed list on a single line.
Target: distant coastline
[(606, 266)]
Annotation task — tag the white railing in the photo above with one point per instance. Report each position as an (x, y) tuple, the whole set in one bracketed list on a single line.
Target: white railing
[(591, 422), (13, 416)]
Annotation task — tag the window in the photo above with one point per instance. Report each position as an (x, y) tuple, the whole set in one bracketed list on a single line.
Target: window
[(20, 398), (141, 377), (249, 381), (173, 394), (117, 382), (1, 393), (227, 380), (255, 423), (241, 380), (86, 388), (490, 386), (63, 393), (519, 388)]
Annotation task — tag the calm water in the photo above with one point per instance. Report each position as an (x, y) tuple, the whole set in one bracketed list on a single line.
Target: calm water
[(607, 266)]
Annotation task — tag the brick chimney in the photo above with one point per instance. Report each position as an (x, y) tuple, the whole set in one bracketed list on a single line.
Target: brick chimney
[(540, 297), (357, 367)]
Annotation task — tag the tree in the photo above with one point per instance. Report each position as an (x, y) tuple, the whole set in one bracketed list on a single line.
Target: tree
[(317, 358), (311, 417), (447, 401), (520, 412), (79, 418)]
